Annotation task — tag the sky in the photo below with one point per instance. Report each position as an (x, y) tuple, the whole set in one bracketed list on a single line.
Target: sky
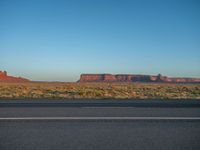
[(57, 40)]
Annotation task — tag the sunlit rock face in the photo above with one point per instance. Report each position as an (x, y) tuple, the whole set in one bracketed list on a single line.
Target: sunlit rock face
[(3, 73), (5, 78), (134, 78), (92, 77)]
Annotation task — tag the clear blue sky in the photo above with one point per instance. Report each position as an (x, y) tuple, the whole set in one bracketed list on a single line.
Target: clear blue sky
[(60, 39)]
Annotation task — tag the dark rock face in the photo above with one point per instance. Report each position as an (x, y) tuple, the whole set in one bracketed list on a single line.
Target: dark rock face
[(134, 78), (5, 78)]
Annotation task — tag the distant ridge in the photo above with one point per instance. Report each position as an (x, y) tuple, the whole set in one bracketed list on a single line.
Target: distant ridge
[(5, 78), (134, 78), (112, 78)]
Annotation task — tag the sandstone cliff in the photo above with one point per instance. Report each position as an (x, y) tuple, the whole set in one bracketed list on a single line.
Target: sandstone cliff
[(134, 78), (5, 78)]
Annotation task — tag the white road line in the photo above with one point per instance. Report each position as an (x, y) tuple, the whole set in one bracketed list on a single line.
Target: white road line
[(99, 118)]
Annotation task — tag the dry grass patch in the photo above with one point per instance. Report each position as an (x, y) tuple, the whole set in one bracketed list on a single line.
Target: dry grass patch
[(99, 90)]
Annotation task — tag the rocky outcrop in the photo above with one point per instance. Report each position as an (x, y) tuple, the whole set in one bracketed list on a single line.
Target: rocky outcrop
[(134, 78), (5, 78)]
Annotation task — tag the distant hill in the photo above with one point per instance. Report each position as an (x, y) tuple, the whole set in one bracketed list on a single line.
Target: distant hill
[(5, 78), (134, 78)]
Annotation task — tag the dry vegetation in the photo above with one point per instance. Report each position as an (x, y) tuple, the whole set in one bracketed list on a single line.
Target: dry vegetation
[(99, 90)]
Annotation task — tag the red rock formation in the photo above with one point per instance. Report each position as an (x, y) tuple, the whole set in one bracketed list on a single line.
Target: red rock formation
[(91, 77), (134, 78), (109, 77), (5, 78)]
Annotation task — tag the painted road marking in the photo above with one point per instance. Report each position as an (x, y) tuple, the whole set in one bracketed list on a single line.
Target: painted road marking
[(99, 118)]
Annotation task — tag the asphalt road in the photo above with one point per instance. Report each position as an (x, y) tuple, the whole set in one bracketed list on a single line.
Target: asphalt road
[(100, 125)]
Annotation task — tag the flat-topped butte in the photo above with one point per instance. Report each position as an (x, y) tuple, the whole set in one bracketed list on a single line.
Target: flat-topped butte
[(134, 78)]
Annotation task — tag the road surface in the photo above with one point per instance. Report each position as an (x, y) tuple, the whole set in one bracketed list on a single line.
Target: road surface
[(99, 125)]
